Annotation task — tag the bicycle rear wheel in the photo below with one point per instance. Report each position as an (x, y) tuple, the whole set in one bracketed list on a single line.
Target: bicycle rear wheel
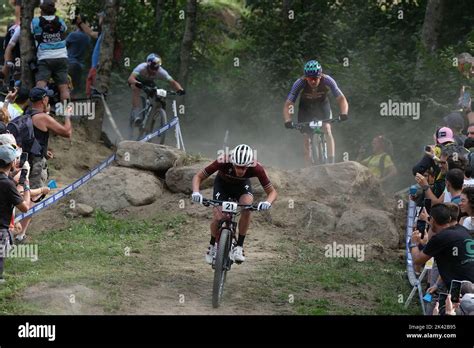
[(220, 270)]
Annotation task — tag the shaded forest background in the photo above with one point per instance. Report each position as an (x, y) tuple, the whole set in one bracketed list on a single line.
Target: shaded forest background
[(243, 57)]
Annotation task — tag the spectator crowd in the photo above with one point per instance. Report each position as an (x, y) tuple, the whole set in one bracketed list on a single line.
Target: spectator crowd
[(445, 200)]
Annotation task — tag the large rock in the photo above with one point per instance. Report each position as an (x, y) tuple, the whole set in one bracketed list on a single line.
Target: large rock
[(148, 156), (179, 179), (369, 226), (277, 177), (117, 188), (349, 182)]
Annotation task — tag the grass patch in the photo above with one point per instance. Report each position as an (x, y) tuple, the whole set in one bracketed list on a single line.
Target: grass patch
[(312, 284), (102, 255)]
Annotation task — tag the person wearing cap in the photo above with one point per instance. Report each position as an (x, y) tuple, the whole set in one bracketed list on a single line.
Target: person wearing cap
[(43, 124), (15, 174), (16, 102), (444, 137), (49, 31), (9, 197)]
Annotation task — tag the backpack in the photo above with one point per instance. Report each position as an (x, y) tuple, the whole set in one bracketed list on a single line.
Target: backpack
[(23, 130), (50, 30), (382, 164)]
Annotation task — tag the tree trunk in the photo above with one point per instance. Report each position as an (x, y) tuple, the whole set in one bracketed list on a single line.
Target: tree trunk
[(105, 65), (286, 7), (187, 43), (27, 44), (429, 34), (160, 7), (432, 24)]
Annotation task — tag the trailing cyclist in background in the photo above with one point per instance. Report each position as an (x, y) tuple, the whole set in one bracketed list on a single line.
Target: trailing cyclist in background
[(232, 183), (314, 105), (145, 74)]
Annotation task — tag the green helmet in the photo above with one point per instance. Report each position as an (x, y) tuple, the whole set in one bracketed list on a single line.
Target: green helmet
[(312, 68)]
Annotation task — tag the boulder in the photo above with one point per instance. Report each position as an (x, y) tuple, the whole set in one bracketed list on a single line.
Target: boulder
[(277, 177), (118, 187), (368, 226), (179, 179), (347, 181), (148, 156)]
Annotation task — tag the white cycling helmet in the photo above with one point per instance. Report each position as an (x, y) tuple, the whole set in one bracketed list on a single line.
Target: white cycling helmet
[(242, 155)]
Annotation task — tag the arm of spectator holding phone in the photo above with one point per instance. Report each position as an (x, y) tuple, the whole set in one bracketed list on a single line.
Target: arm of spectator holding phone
[(86, 28), (419, 257), (421, 180)]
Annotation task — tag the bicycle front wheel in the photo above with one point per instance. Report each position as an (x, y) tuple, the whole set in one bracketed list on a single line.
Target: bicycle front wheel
[(220, 270)]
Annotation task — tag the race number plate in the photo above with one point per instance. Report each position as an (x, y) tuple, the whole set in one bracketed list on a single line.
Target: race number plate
[(315, 124), (229, 207), (161, 93)]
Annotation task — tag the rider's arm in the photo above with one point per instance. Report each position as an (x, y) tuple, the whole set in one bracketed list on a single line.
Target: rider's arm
[(271, 194), (197, 179), (132, 79), (343, 105), (175, 85), (289, 107), (288, 110)]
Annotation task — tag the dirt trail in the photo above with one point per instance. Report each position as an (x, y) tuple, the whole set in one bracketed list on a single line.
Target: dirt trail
[(182, 283)]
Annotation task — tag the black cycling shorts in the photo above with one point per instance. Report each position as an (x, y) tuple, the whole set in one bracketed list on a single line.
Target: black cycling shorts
[(224, 191), (314, 111)]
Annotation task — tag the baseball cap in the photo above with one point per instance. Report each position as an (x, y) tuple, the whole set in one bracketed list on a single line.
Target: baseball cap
[(444, 135), (38, 93), (9, 152), (6, 139), (467, 304)]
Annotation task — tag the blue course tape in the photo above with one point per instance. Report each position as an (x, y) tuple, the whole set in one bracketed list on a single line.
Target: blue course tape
[(88, 176), (411, 214)]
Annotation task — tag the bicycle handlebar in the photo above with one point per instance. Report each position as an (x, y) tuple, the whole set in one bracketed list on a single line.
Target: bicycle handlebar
[(315, 124), (215, 203)]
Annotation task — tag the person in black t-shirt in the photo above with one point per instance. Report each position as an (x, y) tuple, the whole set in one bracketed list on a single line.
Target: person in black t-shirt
[(451, 246), (9, 197)]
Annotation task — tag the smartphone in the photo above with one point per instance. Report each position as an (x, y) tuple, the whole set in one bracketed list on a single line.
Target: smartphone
[(23, 158), (421, 226), (427, 204), (24, 173), (442, 299), (455, 291), (428, 148)]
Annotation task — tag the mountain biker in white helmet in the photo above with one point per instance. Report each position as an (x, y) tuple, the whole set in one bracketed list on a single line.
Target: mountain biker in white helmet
[(145, 74), (232, 183)]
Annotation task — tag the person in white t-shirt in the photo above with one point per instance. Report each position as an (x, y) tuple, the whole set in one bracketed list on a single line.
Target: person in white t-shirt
[(467, 206)]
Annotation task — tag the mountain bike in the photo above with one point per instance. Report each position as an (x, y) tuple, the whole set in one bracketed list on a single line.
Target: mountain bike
[(318, 145), (226, 241), (153, 113)]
